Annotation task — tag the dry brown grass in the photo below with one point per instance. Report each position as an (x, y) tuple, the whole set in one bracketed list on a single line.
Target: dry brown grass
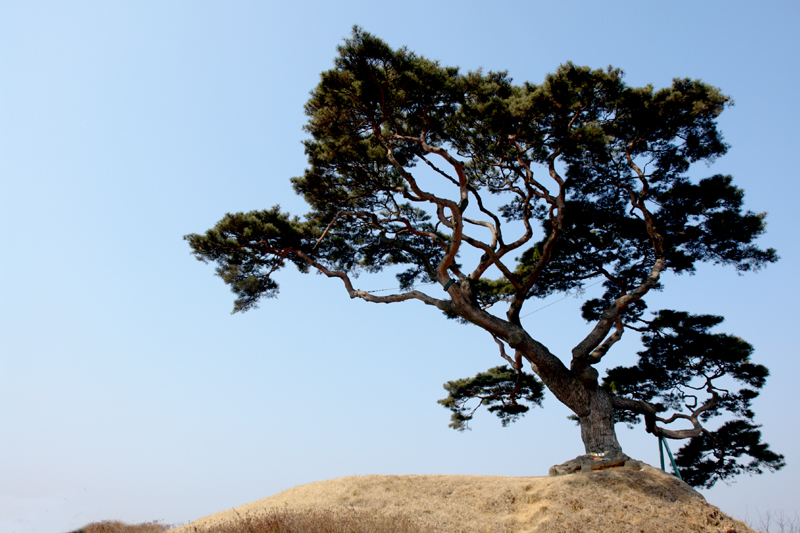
[(286, 521), (113, 526), (616, 500), (321, 521)]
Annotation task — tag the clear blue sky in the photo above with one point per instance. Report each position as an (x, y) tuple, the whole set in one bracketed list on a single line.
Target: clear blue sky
[(128, 391)]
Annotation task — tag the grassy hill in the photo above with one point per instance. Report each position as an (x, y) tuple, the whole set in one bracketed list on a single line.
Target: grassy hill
[(617, 500)]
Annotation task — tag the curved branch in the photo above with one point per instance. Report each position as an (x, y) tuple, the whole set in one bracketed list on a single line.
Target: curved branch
[(580, 359), (487, 225), (598, 353), (497, 231), (352, 291), (504, 355), (650, 415), (493, 258), (456, 224)]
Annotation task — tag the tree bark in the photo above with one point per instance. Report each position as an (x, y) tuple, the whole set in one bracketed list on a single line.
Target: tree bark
[(599, 438), (597, 428)]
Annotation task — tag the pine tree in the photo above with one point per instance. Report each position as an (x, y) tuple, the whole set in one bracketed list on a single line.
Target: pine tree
[(499, 194)]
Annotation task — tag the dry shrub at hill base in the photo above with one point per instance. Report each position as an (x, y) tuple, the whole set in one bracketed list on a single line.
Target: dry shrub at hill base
[(616, 500)]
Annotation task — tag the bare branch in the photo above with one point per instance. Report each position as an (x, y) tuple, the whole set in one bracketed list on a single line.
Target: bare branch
[(497, 230), (598, 353), (579, 354), (493, 258), (441, 203), (439, 171), (697, 427), (650, 415), (503, 352)]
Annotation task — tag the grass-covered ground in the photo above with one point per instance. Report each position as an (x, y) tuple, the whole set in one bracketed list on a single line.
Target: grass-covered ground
[(285, 521), (616, 500)]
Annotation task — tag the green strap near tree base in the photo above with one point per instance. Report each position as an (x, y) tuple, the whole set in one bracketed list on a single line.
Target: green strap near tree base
[(662, 443)]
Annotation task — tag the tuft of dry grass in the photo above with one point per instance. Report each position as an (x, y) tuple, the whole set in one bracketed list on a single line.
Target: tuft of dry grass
[(321, 521), (115, 526)]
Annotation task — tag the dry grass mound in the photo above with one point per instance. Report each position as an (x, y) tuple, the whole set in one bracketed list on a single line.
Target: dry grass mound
[(617, 500)]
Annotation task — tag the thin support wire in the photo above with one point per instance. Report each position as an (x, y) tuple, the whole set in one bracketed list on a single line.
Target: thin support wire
[(559, 300), (397, 288)]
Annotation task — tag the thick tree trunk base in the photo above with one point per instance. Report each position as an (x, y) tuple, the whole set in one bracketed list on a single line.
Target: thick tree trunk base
[(592, 461)]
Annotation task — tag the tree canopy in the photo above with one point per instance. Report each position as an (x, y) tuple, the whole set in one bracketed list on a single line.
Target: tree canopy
[(497, 194)]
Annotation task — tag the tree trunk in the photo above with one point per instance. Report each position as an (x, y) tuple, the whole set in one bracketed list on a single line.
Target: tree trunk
[(581, 393), (597, 428), (599, 438)]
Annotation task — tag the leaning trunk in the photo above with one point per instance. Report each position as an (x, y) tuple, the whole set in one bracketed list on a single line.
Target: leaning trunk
[(582, 394)]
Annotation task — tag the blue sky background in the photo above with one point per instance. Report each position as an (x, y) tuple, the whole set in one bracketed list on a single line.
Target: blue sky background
[(127, 389)]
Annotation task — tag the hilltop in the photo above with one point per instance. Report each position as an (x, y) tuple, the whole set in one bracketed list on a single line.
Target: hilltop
[(614, 500)]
